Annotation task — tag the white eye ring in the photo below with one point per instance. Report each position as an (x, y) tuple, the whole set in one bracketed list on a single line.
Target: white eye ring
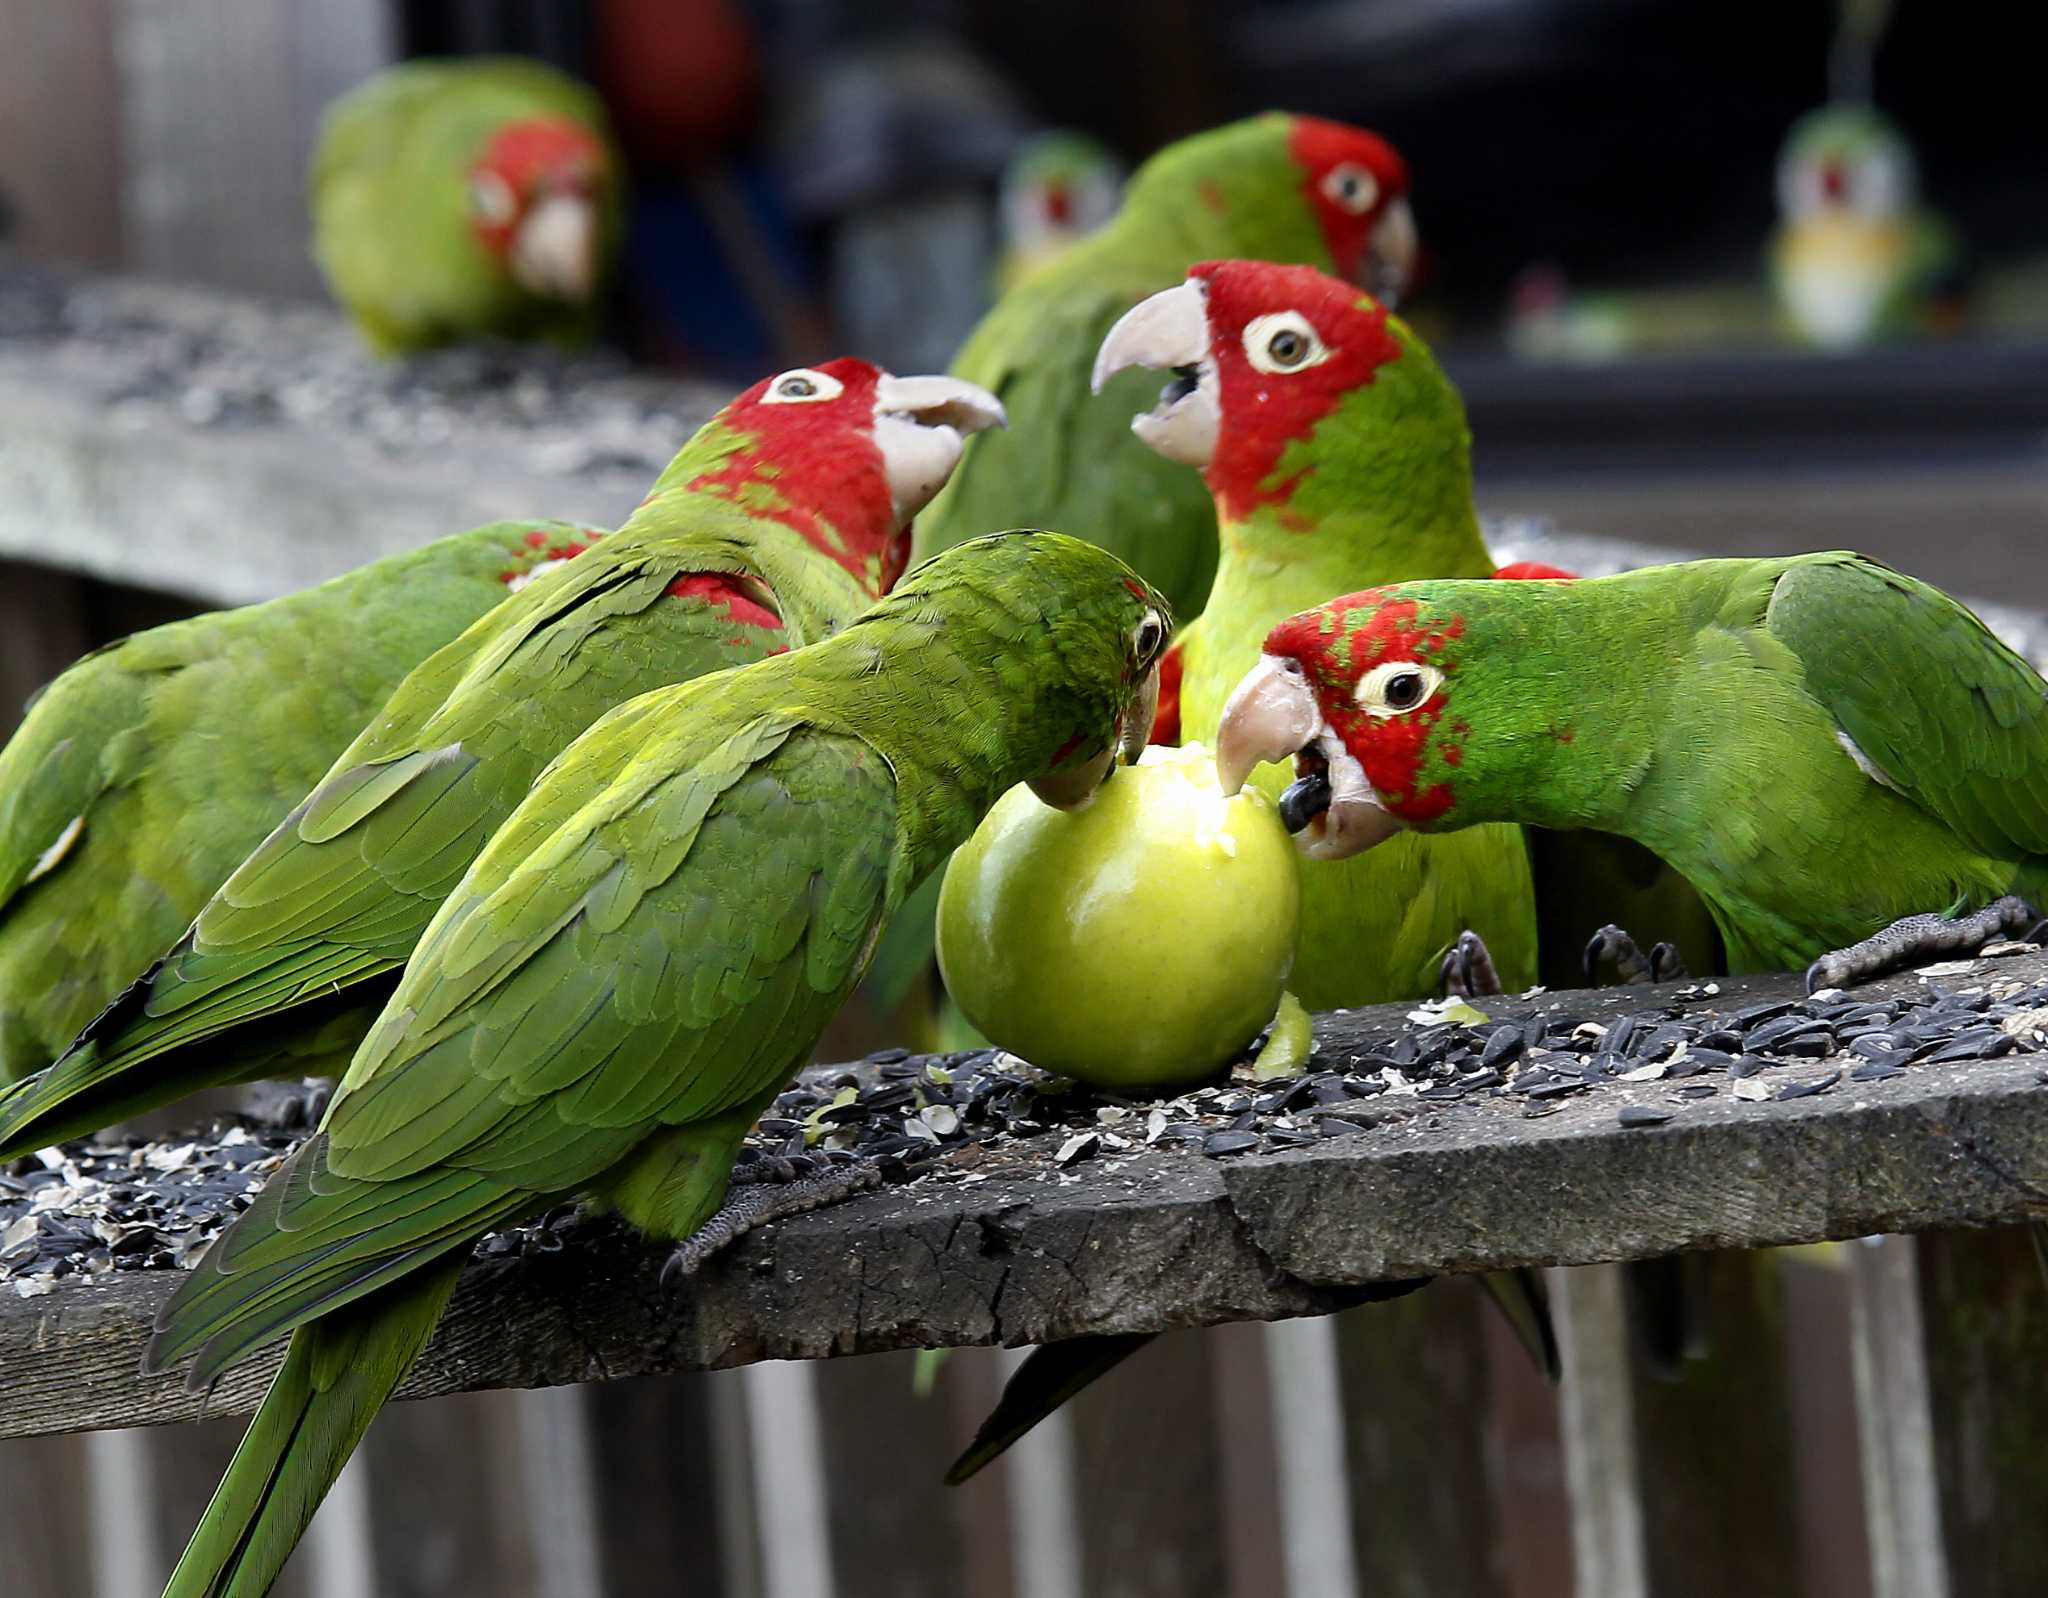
[(1375, 688), (1262, 332), (802, 385), (1350, 187), (491, 199), (1156, 624)]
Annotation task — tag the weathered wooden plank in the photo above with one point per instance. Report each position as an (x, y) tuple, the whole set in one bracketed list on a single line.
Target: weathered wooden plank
[(42, 630), (661, 1468), (1895, 1420), (45, 1530), (1171, 1239), (1820, 1394), (59, 163)]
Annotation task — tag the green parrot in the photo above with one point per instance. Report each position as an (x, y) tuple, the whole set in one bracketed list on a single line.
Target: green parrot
[(1274, 187), (1057, 189), (1338, 456), (780, 521), (1841, 759), (454, 200), (629, 973), (146, 772), (1856, 257)]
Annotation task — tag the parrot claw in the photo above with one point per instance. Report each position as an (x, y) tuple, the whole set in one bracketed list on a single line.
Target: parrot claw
[(1917, 938), (1467, 970), (294, 1107), (764, 1190), (1662, 964)]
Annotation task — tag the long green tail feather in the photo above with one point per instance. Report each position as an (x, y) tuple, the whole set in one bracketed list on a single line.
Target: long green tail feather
[(336, 1376)]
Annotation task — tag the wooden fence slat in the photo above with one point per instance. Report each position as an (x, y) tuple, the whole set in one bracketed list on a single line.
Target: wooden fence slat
[(1821, 1394), (469, 1532), (1309, 1467), (1714, 1445), (1895, 1420), (1146, 1474), (1039, 1479), (790, 1494), (1598, 1414), (884, 1454), (1418, 1443), (1533, 1498), (1984, 1316), (45, 1536), (660, 1467)]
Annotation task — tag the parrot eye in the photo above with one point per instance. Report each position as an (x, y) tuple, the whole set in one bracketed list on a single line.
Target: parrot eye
[(1351, 188), (1151, 634), (1282, 342), (803, 386), (1395, 687), (491, 200)]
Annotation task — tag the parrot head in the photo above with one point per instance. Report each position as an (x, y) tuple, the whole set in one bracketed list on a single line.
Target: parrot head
[(1094, 631), (1363, 693), (1287, 188), (1357, 184), (1059, 187), (1846, 160), (536, 200), (1260, 355), (846, 454)]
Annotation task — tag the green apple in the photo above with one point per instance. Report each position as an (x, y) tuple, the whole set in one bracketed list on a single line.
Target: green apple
[(1136, 943)]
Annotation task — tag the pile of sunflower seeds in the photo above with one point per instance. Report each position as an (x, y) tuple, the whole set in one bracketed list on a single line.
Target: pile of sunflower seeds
[(163, 357), (941, 1120)]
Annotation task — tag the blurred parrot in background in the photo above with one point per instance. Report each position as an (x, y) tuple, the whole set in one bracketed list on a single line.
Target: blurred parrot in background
[(1841, 759), (629, 973), (147, 771), (781, 521), (455, 200), (1276, 187), (1058, 188), (1338, 455), (1856, 257)]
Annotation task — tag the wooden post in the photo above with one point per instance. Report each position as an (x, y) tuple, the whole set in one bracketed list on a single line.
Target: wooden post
[(1984, 1315), (1895, 1418)]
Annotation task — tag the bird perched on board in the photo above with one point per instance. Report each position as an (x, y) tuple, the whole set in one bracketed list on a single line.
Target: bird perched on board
[(1275, 187), (779, 522), (1058, 188), (1337, 454), (456, 200), (148, 770), (1845, 762), (630, 972), (1856, 257)]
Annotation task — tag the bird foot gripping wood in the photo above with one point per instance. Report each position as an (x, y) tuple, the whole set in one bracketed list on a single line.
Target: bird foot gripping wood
[(1467, 970), (1913, 939), (1662, 964), (763, 1190), (290, 1106)]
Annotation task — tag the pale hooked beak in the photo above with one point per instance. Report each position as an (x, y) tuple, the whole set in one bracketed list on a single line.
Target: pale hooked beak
[(1272, 716), (1074, 787), (554, 253), (1169, 332), (1392, 253), (921, 426)]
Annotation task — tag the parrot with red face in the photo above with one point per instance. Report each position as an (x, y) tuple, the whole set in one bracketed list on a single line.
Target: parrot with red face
[(1848, 765), (781, 521), (454, 200), (1276, 187)]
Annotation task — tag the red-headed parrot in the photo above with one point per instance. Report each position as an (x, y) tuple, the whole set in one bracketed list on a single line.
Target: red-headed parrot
[(455, 200), (1821, 746), (782, 520)]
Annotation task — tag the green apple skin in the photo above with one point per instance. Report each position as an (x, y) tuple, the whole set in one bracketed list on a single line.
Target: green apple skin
[(1137, 943)]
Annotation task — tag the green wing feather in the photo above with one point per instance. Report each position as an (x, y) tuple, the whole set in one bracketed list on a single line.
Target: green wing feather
[(1957, 721), (150, 768), (339, 892)]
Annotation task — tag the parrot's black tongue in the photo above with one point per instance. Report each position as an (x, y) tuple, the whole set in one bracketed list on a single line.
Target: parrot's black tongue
[(1306, 798)]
